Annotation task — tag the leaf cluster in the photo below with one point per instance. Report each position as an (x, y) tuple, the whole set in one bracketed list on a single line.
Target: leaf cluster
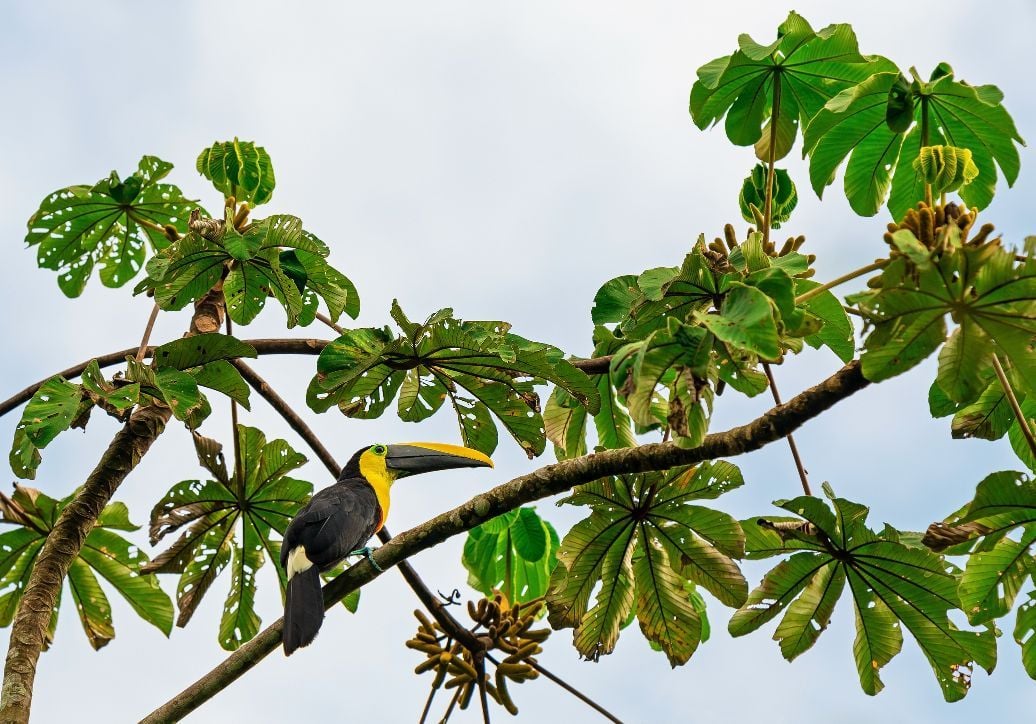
[(109, 225), (105, 553), (894, 586), (513, 554), (482, 368)]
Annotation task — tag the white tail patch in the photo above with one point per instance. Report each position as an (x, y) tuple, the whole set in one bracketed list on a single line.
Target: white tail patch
[(298, 562)]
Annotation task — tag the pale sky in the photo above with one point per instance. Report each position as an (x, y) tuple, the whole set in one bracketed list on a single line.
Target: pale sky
[(504, 159)]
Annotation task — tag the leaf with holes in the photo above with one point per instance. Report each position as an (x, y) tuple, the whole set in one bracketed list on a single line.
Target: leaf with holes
[(52, 410), (105, 553), (480, 367), (646, 536), (227, 521), (893, 586), (109, 224)]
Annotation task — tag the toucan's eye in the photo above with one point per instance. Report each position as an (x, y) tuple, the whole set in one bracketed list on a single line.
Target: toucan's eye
[(379, 449)]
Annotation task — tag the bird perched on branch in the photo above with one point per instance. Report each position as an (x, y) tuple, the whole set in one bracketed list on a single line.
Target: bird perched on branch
[(340, 519)]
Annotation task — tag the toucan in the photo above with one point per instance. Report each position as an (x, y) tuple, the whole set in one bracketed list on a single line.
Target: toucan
[(340, 519)]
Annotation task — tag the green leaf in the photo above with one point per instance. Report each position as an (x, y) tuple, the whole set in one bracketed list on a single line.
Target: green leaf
[(805, 67), (914, 587), (200, 349), (753, 193), (989, 417), (1019, 443), (109, 224), (746, 322), (854, 124), (223, 377), (514, 554), (986, 293), (480, 366), (240, 169), (837, 332), (644, 539), (1025, 634), (51, 411), (614, 299), (564, 423), (228, 522), (666, 614), (104, 553)]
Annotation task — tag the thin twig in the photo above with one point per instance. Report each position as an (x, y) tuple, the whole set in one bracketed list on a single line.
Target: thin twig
[(817, 291), (535, 485), (574, 691), (791, 440), (428, 704), (147, 333), (449, 709), (480, 669), (775, 110), (1023, 422)]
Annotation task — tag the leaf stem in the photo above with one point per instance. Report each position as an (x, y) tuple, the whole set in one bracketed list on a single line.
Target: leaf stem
[(147, 333), (239, 470), (924, 142), (327, 320), (817, 291), (771, 170), (449, 709), (428, 704), (1023, 422), (791, 440)]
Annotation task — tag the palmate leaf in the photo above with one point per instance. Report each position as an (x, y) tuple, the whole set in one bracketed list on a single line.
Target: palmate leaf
[(514, 554), (999, 565), (240, 169), (58, 405), (644, 539), (989, 295), (871, 123), (803, 67), (894, 586), (105, 553), (264, 260), (227, 521), (109, 224), (480, 367)]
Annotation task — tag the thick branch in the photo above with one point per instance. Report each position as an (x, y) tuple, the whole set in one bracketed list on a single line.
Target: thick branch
[(541, 483), (75, 522), (61, 548), (594, 366)]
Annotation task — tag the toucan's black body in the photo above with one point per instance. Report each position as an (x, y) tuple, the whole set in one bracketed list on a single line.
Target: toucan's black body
[(340, 519)]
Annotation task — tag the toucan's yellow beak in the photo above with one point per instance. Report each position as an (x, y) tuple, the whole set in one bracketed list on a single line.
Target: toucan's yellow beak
[(413, 458)]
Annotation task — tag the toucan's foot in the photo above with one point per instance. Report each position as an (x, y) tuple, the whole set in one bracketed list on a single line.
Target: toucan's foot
[(369, 553)]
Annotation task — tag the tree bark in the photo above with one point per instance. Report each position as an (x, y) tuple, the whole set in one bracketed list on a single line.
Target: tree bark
[(59, 551), (74, 524), (541, 483)]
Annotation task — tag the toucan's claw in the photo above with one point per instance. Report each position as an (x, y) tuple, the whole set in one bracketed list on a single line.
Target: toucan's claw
[(369, 553)]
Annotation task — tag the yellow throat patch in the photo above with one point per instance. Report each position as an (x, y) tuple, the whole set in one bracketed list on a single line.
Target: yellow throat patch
[(377, 474)]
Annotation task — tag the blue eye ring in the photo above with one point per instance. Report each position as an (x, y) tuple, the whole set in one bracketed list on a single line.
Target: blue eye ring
[(379, 449)]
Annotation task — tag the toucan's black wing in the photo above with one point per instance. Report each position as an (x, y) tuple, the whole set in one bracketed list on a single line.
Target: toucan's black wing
[(337, 521)]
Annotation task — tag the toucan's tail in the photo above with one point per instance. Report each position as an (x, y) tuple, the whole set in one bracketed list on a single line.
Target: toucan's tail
[(303, 610)]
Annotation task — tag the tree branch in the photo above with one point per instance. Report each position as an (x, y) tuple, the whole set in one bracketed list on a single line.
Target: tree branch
[(593, 366), (61, 548), (541, 483)]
